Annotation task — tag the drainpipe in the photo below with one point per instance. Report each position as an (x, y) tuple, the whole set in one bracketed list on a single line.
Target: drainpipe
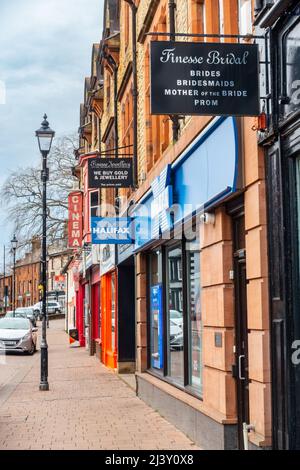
[(246, 429), (172, 8), (133, 7)]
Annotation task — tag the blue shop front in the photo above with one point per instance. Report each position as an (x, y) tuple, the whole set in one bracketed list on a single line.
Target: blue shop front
[(168, 226)]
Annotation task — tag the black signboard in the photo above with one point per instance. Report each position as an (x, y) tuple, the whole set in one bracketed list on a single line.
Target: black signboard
[(110, 172), (204, 78), (74, 334)]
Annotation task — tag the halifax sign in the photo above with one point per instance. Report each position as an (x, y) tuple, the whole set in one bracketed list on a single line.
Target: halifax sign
[(218, 79), (112, 230)]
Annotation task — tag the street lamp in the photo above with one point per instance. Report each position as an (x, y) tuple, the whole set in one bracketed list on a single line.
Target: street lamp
[(45, 137), (14, 246)]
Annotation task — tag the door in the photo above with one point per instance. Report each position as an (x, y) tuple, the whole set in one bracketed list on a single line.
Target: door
[(240, 368)]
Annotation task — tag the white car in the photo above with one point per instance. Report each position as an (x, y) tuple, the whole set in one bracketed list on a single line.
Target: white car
[(176, 317), (53, 308), (175, 336), (17, 335)]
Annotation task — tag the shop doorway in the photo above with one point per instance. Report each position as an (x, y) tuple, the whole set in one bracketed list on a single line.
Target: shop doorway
[(240, 368), (126, 325), (109, 319)]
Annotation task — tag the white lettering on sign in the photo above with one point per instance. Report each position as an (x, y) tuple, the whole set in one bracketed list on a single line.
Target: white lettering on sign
[(75, 220), (161, 203), (111, 231), (213, 58)]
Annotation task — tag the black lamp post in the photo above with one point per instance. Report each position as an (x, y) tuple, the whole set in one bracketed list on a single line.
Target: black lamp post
[(14, 245), (45, 137)]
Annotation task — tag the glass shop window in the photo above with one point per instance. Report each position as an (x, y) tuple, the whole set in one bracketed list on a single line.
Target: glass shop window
[(156, 311), (175, 314), (195, 325), (291, 74), (176, 328)]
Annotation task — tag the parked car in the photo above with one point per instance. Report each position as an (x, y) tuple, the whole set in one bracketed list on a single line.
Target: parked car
[(176, 317), (176, 336), (20, 314), (53, 308), (10, 314), (18, 334), (29, 313)]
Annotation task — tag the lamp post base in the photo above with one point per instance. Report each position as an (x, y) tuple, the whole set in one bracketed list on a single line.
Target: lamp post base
[(44, 387)]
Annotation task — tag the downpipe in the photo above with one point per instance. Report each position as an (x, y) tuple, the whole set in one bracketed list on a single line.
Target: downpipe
[(246, 429)]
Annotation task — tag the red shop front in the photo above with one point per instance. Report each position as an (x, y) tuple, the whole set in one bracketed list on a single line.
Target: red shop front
[(95, 308), (80, 294), (109, 309)]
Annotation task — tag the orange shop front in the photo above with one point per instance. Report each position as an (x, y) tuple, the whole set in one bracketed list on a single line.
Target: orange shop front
[(109, 307)]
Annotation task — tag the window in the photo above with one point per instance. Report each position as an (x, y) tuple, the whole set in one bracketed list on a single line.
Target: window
[(156, 311), (157, 128), (127, 125), (108, 87), (175, 314), (291, 72), (221, 18), (94, 203), (197, 18), (194, 316), (245, 7), (126, 23)]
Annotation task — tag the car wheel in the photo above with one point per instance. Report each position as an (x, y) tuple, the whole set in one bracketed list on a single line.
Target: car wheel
[(32, 350)]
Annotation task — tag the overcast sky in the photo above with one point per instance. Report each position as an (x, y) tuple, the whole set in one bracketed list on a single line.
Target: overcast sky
[(45, 52)]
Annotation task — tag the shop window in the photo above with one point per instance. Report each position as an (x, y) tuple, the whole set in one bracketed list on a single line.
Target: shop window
[(156, 311), (175, 314), (194, 316)]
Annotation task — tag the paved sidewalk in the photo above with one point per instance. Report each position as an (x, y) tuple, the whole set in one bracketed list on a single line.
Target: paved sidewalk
[(87, 407)]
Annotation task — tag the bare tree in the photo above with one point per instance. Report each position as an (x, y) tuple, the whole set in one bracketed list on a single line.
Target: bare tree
[(21, 194)]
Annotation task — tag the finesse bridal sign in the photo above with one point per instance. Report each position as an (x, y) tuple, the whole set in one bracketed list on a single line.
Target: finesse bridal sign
[(110, 172), (204, 78)]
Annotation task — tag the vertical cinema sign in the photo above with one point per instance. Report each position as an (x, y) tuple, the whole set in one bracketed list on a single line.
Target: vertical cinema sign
[(75, 219)]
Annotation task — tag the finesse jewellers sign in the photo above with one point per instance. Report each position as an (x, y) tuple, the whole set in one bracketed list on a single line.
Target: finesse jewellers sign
[(110, 172), (204, 78)]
